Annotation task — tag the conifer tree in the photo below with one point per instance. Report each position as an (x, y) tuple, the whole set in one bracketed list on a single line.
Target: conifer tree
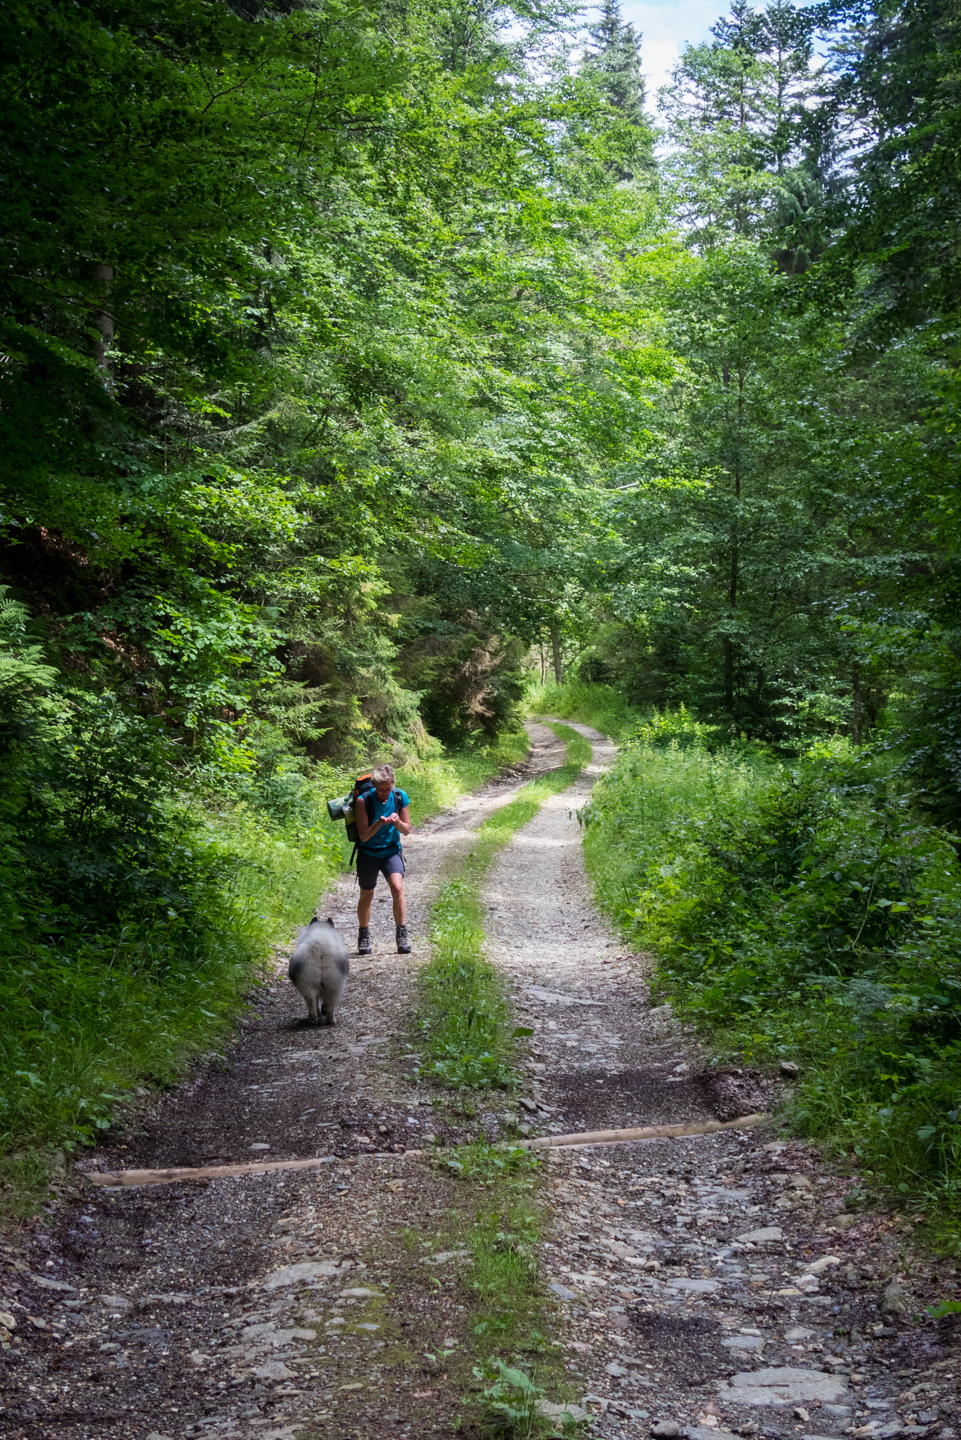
[(737, 109), (615, 59)]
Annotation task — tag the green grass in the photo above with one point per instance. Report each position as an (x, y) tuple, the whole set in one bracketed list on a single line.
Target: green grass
[(467, 1042), (599, 705), (464, 1028), (503, 1274), (647, 815), (511, 1313)]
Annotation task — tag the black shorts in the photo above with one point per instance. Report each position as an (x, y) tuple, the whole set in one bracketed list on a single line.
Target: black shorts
[(370, 866)]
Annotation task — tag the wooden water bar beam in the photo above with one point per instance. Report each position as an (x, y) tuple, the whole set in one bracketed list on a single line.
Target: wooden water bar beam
[(645, 1132), (540, 1142)]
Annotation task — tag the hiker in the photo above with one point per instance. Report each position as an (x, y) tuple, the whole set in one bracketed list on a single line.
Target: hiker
[(379, 829)]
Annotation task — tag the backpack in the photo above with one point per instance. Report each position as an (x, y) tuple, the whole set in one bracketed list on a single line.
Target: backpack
[(344, 809)]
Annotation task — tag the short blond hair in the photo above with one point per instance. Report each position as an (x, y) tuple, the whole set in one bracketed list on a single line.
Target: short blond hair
[(382, 773)]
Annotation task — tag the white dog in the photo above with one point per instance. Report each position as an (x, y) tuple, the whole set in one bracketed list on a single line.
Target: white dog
[(318, 968)]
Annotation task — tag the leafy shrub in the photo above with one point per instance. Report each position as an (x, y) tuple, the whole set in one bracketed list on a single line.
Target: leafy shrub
[(658, 792), (807, 911), (517, 1405), (930, 741), (678, 728)]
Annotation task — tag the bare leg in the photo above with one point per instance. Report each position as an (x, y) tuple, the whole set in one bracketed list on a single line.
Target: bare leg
[(396, 883), (363, 908)]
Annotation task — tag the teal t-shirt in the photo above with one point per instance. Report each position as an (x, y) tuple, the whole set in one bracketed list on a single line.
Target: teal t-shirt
[(386, 842)]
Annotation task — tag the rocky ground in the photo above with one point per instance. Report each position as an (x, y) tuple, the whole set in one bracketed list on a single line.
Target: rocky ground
[(698, 1286)]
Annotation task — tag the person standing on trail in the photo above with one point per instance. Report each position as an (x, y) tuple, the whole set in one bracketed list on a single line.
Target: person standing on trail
[(381, 822)]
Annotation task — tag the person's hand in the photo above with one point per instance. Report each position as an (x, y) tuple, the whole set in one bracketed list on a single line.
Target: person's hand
[(391, 819)]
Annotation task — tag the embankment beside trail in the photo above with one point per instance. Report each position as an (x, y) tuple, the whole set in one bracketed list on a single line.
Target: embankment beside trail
[(802, 912)]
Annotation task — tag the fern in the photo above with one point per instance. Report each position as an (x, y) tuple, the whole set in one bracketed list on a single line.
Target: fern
[(25, 677)]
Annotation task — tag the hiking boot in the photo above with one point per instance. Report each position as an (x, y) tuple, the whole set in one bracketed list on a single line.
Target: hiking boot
[(403, 944), (363, 940)]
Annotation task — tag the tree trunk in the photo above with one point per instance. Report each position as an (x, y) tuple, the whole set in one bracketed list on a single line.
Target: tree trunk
[(732, 598), (856, 705), (558, 657), (103, 318), (733, 579), (729, 675)]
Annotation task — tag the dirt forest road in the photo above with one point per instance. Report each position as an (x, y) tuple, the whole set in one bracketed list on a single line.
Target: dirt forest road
[(699, 1286)]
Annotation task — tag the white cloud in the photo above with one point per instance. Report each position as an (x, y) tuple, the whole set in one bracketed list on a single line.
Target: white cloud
[(666, 27)]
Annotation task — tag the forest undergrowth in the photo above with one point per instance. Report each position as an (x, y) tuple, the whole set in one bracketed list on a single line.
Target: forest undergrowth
[(799, 909)]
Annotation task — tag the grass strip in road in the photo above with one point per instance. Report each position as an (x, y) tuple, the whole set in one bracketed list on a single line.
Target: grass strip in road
[(466, 1037), (467, 1042), (510, 1366)]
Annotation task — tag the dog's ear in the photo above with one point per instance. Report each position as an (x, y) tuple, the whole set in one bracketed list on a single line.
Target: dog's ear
[(330, 919)]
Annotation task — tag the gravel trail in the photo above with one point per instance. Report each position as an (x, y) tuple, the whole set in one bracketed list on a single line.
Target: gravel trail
[(706, 1284)]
